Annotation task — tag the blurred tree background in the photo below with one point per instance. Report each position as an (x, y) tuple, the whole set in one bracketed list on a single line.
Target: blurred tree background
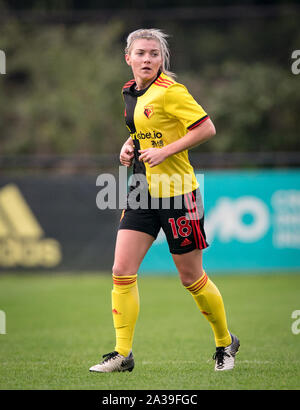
[(65, 70)]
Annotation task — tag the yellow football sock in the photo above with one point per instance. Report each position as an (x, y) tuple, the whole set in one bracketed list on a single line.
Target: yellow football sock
[(210, 303), (125, 309)]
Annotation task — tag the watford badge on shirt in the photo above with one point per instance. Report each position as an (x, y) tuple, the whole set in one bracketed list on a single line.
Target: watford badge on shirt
[(148, 110)]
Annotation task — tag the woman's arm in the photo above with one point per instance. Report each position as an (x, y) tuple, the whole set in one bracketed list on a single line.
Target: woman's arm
[(127, 153), (194, 137)]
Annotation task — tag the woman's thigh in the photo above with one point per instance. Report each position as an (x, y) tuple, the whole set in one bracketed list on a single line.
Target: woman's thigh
[(131, 248)]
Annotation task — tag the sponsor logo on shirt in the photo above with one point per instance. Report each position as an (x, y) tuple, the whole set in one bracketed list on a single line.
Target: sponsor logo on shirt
[(146, 135)]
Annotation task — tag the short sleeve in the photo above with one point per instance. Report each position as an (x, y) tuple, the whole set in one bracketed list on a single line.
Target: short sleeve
[(179, 103)]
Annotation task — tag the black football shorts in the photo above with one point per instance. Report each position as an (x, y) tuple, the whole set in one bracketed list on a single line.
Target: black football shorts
[(180, 217)]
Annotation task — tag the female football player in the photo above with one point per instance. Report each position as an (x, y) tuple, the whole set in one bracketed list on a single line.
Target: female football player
[(164, 122)]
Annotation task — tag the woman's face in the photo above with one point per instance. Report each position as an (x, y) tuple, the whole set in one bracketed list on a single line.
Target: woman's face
[(145, 59)]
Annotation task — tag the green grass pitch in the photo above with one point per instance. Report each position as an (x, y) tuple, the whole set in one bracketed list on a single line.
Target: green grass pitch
[(57, 326)]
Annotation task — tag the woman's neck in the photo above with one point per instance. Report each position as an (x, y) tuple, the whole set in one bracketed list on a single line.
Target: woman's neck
[(141, 85)]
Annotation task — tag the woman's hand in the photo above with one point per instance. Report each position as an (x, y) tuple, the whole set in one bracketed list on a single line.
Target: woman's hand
[(153, 156), (127, 154)]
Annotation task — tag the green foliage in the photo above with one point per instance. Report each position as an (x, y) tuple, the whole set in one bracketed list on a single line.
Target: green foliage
[(62, 90), (61, 94), (254, 106)]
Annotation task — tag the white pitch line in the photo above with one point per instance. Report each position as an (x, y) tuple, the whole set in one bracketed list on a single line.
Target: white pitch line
[(208, 361), (169, 361)]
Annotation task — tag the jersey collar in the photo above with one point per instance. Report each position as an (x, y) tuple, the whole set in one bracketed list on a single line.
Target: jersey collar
[(137, 93)]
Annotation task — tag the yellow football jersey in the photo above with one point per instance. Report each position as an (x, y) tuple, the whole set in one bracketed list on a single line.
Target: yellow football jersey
[(157, 116)]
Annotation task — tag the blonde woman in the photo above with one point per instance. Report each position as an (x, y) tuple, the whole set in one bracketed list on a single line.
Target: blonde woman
[(164, 122)]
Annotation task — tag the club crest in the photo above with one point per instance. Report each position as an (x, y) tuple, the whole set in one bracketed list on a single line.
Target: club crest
[(148, 110)]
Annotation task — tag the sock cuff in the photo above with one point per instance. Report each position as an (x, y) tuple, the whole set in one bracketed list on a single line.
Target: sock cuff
[(124, 280), (195, 287)]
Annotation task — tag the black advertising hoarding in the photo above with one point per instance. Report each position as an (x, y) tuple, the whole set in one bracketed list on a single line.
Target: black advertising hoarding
[(53, 223)]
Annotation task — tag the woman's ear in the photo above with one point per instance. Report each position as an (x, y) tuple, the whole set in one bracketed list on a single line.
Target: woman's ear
[(127, 59)]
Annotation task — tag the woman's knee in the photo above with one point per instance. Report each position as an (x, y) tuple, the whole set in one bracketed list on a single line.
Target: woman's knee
[(189, 266), (123, 269), (188, 277)]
